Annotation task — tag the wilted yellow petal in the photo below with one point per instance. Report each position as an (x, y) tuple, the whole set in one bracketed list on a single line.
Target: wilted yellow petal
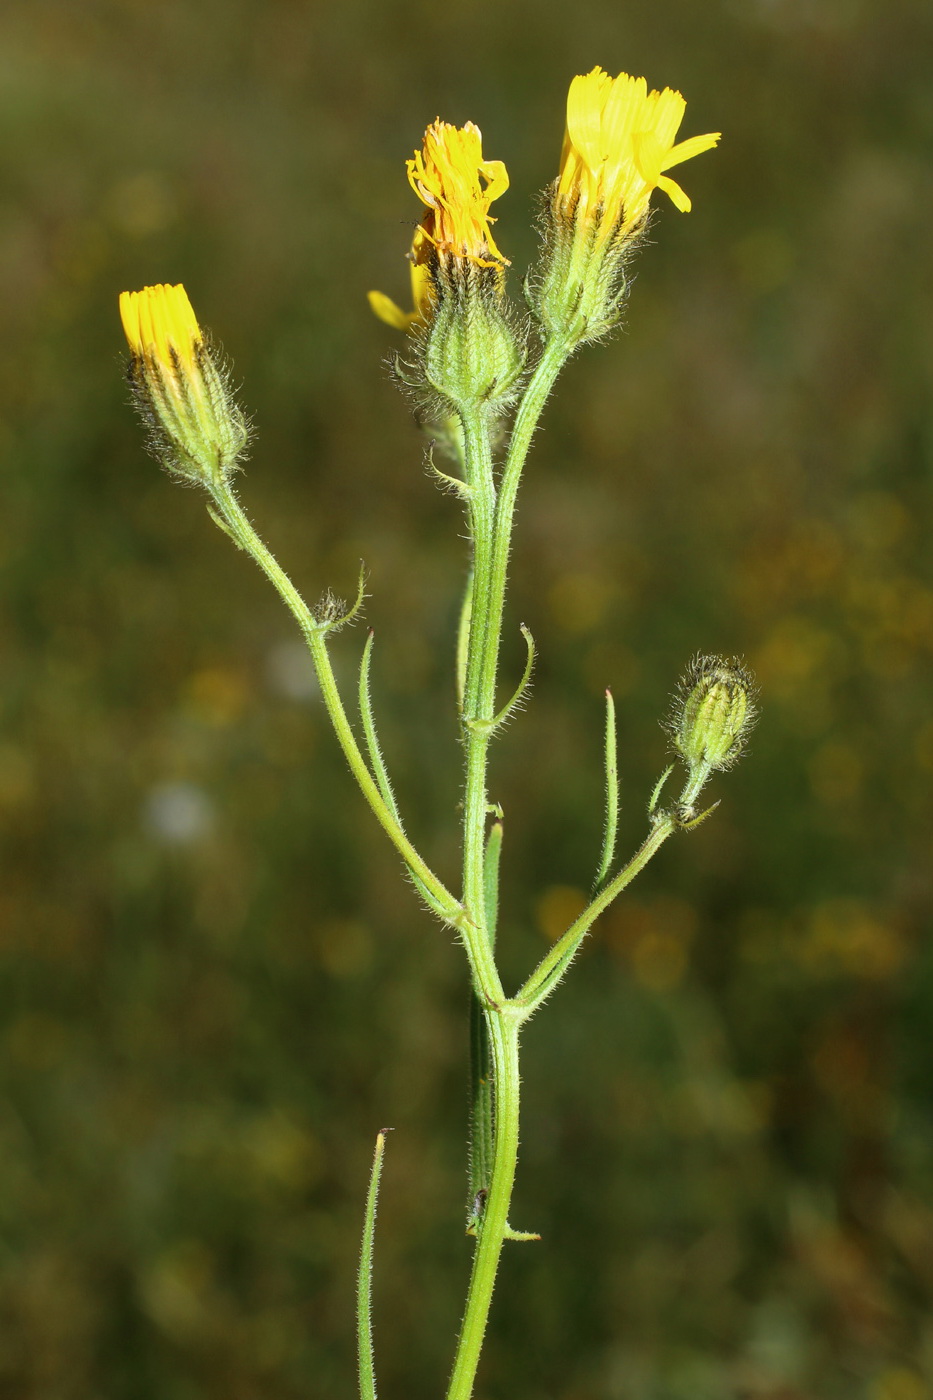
[(450, 176)]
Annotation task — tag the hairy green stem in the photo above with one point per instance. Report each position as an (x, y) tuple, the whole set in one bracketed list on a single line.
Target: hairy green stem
[(553, 358), (478, 704), (482, 508), (491, 519)]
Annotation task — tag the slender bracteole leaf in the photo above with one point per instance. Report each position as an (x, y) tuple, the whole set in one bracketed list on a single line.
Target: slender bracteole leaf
[(463, 638), (491, 879), (377, 762), (364, 1284), (612, 793), (482, 1109), (522, 686), (656, 794), (482, 1089)]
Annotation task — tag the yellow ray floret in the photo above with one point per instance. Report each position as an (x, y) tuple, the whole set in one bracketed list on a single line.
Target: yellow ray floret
[(161, 326), (422, 290), (450, 176), (618, 143)]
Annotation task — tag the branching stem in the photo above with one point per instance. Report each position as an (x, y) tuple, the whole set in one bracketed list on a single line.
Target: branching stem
[(491, 513)]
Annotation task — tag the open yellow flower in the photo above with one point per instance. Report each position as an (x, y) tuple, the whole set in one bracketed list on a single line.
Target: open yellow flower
[(196, 428), (450, 177), (619, 141), (618, 144)]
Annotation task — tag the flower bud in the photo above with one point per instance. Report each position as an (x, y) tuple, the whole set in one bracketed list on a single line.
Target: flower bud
[(196, 429), (472, 356), (712, 717)]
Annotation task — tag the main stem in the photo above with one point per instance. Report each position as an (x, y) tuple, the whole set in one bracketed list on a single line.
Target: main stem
[(477, 712), (479, 691), (553, 357), (491, 519)]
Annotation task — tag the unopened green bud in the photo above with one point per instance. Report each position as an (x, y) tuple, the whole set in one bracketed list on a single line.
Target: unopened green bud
[(196, 429), (713, 714), (472, 354)]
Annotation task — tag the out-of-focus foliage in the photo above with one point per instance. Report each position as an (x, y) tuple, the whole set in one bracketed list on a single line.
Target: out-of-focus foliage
[(217, 988)]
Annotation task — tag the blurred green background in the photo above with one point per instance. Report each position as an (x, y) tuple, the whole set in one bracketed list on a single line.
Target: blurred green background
[(216, 985)]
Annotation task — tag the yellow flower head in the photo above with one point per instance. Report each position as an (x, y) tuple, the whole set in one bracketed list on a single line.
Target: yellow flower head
[(451, 178), (618, 143), (196, 428), (161, 327)]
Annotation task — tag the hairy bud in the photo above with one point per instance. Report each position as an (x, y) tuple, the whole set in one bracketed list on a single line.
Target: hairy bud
[(196, 429), (472, 354), (712, 716)]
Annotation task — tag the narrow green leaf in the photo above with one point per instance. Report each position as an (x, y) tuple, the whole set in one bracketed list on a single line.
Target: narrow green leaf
[(522, 1236), (364, 1284), (380, 773), (523, 684), (482, 1109), (463, 638), (491, 879), (653, 802), (482, 1088), (612, 793), (377, 763)]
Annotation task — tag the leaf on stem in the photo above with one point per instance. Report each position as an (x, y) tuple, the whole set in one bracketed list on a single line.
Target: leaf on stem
[(658, 788), (491, 879), (377, 762), (519, 696), (463, 638), (482, 1105), (228, 530), (522, 1236), (612, 793), (364, 1284), (454, 484), (379, 770)]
